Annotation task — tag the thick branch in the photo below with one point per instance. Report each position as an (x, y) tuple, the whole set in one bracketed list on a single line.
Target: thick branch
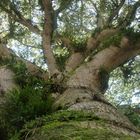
[(89, 75), (93, 42), (47, 37), (74, 61), (110, 58), (7, 54)]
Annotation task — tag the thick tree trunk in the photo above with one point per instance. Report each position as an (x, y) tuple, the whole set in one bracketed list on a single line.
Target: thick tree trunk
[(86, 100), (86, 87), (7, 82)]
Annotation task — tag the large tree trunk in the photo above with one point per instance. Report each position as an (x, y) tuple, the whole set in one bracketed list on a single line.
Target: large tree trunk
[(86, 87), (84, 91), (93, 101)]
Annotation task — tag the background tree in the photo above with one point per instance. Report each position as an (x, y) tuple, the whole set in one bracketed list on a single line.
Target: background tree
[(79, 43)]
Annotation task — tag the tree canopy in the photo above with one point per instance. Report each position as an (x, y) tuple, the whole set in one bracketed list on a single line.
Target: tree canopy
[(60, 49), (69, 27)]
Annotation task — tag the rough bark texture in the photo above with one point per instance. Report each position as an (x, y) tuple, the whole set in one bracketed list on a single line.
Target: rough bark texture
[(84, 84), (6, 79), (87, 85), (7, 82)]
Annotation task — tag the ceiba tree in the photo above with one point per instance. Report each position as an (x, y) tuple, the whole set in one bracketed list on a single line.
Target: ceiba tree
[(97, 36)]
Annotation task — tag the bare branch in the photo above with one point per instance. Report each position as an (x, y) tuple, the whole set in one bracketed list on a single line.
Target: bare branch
[(115, 12), (131, 14), (74, 61), (47, 37), (93, 42), (63, 5)]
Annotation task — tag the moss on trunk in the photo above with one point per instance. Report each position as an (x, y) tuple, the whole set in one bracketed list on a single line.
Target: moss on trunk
[(74, 125)]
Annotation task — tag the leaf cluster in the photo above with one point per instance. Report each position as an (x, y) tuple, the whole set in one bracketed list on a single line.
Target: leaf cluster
[(61, 54), (130, 112), (113, 40), (23, 105)]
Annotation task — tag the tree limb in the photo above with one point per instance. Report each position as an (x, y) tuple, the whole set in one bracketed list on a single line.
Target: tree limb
[(47, 37), (115, 12), (74, 61), (93, 42), (8, 54), (131, 15), (111, 57), (63, 5), (106, 60)]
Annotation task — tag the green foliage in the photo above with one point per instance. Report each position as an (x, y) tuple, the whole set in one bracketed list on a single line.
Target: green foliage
[(113, 40), (22, 77), (130, 112), (15, 136), (133, 117), (131, 34), (31, 100), (79, 44), (124, 82), (95, 32), (57, 119), (64, 125), (24, 105), (3, 130), (61, 55), (127, 73), (62, 116)]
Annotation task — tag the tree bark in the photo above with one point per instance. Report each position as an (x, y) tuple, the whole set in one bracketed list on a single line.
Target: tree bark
[(86, 86), (47, 37), (84, 90)]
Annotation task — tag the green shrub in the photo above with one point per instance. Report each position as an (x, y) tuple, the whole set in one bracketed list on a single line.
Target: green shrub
[(24, 105), (3, 130), (132, 115)]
